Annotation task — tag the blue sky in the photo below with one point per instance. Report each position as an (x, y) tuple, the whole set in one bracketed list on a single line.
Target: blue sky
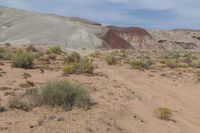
[(162, 14)]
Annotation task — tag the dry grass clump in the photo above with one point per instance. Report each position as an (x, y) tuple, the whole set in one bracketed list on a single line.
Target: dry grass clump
[(111, 59), (181, 60), (198, 75), (22, 60), (164, 113), (54, 93), (21, 102), (73, 57), (84, 66), (141, 63), (52, 56), (96, 54), (4, 55), (31, 48), (54, 50), (65, 94)]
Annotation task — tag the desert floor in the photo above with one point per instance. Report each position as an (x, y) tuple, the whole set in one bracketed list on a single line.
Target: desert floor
[(125, 101)]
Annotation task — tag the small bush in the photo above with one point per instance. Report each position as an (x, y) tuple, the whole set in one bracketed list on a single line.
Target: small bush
[(20, 102), (164, 113), (195, 64), (54, 50), (84, 66), (65, 94), (110, 59), (141, 63), (198, 75), (31, 48), (73, 57), (52, 56), (173, 55), (3, 54), (22, 60), (96, 54)]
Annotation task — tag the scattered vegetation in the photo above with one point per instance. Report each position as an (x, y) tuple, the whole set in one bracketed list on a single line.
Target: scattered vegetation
[(54, 93), (164, 113), (52, 57), (84, 66), (65, 94), (54, 50), (198, 75), (141, 63), (110, 59), (3, 54), (21, 102), (22, 60), (96, 54), (181, 60), (31, 48), (73, 57)]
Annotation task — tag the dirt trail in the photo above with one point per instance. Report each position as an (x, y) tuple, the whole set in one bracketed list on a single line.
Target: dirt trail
[(158, 91)]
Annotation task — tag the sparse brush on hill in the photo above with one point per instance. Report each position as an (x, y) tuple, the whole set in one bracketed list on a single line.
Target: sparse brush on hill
[(181, 60), (52, 56), (73, 57), (4, 55), (96, 54), (84, 66), (54, 93), (164, 113), (141, 63), (31, 48), (110, 59), (22, 60), (54, 50), (198, 75)]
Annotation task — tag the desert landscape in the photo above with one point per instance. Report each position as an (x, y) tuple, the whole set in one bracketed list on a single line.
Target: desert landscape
[(71, 75)]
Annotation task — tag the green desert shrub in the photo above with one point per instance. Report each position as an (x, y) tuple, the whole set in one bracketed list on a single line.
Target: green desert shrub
[(52, 56), (65, 94), (195, 64), (4, 55), (164, 113), (110, 59), (174, 63), (84, 66), (21, 102), (173, 55), (54, 93), (96, 54), (73, 57), (141, 63), (54, 50), (31, 48), (198, 75), (22, 60)]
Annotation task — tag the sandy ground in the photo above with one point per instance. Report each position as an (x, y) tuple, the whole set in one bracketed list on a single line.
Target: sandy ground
[(126, 101)]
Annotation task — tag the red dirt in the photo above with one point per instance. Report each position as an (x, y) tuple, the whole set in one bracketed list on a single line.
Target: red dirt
[(120, 38)]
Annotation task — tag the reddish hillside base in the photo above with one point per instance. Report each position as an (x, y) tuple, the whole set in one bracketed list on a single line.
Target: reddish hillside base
[(120, 38)]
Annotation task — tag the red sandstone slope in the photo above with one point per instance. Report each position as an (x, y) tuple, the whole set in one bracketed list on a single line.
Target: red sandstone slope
[(118, 37)]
